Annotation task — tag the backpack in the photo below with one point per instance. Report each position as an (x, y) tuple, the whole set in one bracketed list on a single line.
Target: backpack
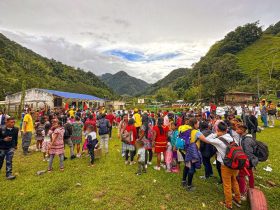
[(235, 157), (39, 130), (261, 151), (183, 139), (103, 127), (67, 131)]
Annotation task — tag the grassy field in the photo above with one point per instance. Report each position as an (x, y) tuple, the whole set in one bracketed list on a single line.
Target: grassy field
[(113, 185)]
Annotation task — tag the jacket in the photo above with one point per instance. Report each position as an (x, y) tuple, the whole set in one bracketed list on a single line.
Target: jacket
[(249, 146), (4, 132)]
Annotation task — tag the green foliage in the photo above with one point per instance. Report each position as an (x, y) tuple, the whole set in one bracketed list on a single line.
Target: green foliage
[(123, 84), (273, 29), (165, 94), (23, 93), (18, 64), (167, 81)]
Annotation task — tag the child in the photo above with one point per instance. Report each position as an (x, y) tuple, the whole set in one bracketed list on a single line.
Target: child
[(141, 158), (173, 138), (168, 157), (46, 142), (57, 145), (92, 142), (39, 127)]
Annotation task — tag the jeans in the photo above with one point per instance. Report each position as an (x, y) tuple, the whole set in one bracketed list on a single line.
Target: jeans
[(61, 160), (69, 142), (91, 154), (132, 154), (26, 141), (104, 140), (230, 183), (141, 167), (110, 131), (242, 180), (189, 172), (8, 154), (264, 120), (148, 155), (271, 119), (218, 167), (207, 166)]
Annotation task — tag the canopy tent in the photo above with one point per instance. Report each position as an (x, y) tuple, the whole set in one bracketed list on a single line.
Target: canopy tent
[(73, 95)]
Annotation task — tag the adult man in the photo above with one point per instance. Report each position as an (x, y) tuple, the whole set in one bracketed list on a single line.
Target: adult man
[(271, 111), (138, 121), (103, 126), (27, 129), (8, 143), (264, 114)]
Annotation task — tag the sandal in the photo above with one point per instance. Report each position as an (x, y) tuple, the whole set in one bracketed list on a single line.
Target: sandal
[(225, 205)]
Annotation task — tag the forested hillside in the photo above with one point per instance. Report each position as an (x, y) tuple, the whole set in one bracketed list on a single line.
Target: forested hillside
[(124, 84), (245, 56), (18, 63)]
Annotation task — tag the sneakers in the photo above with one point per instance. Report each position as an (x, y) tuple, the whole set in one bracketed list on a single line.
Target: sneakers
[(236, 203), (203, 177), (126, 163), (244, 197), (157, 168), (10, 177), (149, 163), (78, 156), (190, 188), (146, 166), (138, 174), (163, 166), (132, 163), (184, 183)]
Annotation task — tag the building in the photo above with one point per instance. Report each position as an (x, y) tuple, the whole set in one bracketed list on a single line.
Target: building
[(49, 99), (116, 105), (240, 97)]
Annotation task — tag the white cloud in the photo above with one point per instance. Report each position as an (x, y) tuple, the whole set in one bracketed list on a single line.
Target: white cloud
[(79, 32)]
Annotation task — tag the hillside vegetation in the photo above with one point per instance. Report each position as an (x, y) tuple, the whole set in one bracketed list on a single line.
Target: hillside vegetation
[(124, 84), (18, 63), (236, 63)]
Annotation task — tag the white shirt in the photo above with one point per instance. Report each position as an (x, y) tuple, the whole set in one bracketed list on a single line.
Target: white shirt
[(220, 146), (141, 153)]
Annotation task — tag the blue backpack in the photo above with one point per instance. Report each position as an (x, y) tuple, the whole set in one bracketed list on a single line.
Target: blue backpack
[(183, 139), (103, 127)]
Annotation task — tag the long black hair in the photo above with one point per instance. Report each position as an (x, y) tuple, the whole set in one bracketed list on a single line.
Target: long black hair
[(160, 124), (145, 122)]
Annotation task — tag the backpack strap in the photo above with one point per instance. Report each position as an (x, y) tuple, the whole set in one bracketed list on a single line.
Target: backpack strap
[(224, 141)]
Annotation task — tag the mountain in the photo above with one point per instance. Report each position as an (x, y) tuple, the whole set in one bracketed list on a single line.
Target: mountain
[(246, 59), (167, 81), (124, 84), (18, 63)]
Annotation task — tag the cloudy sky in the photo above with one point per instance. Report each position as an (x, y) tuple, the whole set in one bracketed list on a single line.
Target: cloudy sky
[(146, 38)]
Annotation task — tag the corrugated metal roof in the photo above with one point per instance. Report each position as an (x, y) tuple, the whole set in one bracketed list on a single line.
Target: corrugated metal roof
[(72, 95)]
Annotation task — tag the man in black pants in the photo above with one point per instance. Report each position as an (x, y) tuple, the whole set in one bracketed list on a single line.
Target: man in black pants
[(8, 144)]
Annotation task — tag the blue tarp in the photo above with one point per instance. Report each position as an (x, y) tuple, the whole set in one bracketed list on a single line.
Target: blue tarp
[(72, 95)]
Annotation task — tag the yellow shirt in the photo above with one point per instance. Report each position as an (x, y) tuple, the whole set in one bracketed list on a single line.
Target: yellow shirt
[(29, 123), (138, 120), (72, 113)]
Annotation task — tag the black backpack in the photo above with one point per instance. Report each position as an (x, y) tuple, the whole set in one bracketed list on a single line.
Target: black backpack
[(67, 131), (261, 151)]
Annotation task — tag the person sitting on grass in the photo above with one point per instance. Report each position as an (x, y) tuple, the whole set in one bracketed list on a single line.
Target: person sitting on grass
[(92, 142), (141, 158), (57, 145)]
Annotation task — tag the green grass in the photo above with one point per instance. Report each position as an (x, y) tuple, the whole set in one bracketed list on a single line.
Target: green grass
[(113, 185), (258, 54)]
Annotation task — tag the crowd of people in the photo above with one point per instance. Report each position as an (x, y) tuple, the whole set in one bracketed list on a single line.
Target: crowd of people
[(181, 140)]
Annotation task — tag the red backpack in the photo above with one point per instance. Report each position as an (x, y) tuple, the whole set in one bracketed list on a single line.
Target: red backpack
[(235, 157)]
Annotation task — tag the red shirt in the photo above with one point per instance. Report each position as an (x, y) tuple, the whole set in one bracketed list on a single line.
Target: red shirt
[(134, 133), (111, 118)]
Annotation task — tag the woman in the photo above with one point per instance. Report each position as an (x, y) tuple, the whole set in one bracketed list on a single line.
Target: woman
[(57, 145), (129, 147), (77, 135), (146, 134), (122, 127), (160, 135)]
